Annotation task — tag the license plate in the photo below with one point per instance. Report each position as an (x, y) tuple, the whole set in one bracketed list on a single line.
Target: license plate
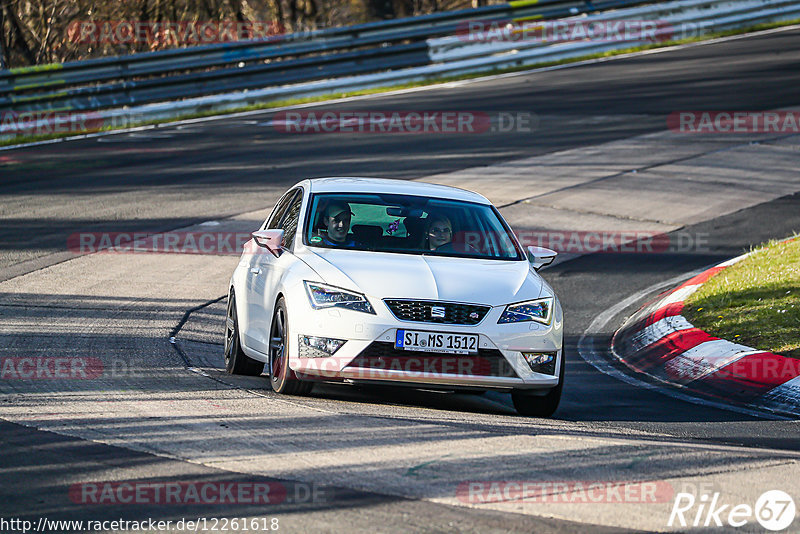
[(450, 343)]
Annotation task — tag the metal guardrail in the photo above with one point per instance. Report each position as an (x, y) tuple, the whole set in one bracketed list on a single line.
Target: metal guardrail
[(140, 63), (154, 63), (150, 77), (371, 58), (683, 18)]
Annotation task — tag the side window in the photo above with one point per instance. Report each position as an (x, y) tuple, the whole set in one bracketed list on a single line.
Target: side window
[(291, 219), (280, 209)]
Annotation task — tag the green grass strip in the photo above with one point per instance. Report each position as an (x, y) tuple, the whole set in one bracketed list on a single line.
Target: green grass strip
[(755, 302)]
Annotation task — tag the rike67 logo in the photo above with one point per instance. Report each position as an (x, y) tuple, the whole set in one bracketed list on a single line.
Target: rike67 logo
[(774, 510)]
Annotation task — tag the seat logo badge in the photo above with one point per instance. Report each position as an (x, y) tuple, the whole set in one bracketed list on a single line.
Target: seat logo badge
[(437, 312), (473, 315)]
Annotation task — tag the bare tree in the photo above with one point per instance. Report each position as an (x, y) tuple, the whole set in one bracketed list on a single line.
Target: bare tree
[(3, 45), (44, 31), (16, 36)]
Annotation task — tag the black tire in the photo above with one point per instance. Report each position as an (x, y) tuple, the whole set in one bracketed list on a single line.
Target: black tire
[(236, 361), (282, 378), (540, 405)]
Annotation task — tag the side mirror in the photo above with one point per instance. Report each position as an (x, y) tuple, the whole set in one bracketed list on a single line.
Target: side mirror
[(271, 240), (540, 256)]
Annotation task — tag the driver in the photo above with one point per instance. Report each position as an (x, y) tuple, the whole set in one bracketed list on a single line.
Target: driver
[(336, 220)]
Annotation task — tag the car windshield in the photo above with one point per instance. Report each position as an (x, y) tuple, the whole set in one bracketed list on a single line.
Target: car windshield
[(408, 224)]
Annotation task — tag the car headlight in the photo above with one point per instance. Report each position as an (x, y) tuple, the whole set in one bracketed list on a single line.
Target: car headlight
[(325, 296), (539, 310)]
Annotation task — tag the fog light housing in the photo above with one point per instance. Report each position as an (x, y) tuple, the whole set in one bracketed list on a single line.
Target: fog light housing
[(319, 347), (541, 362)]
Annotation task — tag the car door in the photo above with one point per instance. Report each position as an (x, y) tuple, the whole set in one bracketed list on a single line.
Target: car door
[(265, 271)]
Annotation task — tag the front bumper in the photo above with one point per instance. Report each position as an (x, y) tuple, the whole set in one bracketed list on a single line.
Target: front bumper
[(369, 355)]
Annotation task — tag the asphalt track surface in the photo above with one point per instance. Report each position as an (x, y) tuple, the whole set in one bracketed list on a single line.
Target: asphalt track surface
[(172, 177)]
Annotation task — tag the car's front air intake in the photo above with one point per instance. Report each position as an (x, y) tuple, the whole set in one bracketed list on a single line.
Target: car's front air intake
[(381, 356)]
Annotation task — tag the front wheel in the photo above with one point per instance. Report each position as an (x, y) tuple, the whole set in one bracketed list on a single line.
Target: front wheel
[(236, 361), (282, 378), (540, 405)]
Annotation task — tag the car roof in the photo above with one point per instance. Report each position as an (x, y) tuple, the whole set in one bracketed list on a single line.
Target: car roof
[(354, 184)]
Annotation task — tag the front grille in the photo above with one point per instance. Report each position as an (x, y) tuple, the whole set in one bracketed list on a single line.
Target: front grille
[(423, 311), (381, 355)]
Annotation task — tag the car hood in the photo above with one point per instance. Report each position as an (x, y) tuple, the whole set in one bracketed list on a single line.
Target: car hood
[(389, 275)]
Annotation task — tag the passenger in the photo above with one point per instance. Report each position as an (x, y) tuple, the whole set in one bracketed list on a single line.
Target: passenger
[(336, 220), (440, 233)]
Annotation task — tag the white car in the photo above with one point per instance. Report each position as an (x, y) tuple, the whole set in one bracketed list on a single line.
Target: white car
[(364, 280)]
